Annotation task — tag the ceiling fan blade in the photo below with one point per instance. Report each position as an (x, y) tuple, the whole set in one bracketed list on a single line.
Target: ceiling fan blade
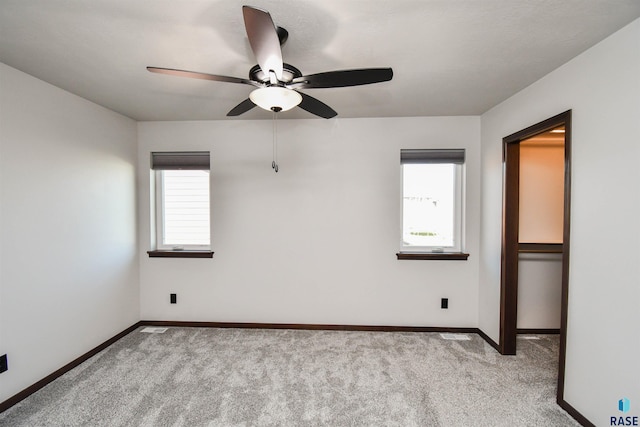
[(241, 108), (203, 76), (343, 78), (316, 107), (263, 38)]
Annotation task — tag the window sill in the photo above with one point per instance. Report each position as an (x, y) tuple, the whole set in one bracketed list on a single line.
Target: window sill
[(447, 256), (180, 254)]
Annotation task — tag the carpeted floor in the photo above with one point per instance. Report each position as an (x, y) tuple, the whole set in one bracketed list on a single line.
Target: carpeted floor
[(253, 377)]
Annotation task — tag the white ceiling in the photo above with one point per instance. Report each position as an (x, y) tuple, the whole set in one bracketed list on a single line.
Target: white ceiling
[(449, 57)]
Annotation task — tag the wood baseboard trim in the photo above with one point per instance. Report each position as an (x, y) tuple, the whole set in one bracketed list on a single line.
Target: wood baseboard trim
[(575, 414), (66, 368), (489, 341), (539, 331), (305, 326)]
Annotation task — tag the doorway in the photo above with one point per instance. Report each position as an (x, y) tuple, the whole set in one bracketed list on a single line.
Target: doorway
[(511, 244)]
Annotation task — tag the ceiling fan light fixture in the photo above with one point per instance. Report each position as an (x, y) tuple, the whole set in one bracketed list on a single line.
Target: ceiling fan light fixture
[(275, 98)]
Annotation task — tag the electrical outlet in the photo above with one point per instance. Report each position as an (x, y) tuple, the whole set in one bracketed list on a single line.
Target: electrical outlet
[(3, 363), (173, 298), (444, 303)]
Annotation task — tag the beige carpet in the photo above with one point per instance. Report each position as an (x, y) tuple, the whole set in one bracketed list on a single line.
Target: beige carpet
[(245, 377)]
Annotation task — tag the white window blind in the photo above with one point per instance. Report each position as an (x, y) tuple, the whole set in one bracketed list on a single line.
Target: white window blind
[(185, 207)]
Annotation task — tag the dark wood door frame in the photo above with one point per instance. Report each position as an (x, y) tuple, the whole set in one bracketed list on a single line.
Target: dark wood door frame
[(510, 225)]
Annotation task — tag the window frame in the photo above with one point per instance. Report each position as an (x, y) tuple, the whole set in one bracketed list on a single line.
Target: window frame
[(161, 161), (436, 156), (160, 214)]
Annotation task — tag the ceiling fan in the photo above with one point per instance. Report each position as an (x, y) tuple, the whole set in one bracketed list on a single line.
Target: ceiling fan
[(277, 83)]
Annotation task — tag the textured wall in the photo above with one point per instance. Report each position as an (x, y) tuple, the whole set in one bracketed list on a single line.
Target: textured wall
[(68, 261), (602, 88), (316, 242)]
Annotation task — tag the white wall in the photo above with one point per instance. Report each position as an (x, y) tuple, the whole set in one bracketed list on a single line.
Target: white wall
[(602, 87), (68, 260), (541, 192), (539, 291), (316, 242)]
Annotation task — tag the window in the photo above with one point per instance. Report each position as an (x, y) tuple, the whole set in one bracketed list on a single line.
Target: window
[(432, 201), (182, 201)]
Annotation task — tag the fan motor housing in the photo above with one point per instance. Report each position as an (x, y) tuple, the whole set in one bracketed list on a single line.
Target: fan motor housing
[(289, 72)]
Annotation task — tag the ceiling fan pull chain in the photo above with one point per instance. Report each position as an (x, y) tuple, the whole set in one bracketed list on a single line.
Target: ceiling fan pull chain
[(274, 163), (273, 140)]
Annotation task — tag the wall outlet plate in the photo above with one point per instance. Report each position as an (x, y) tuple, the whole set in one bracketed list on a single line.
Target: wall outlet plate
[(173, 298), (4, 366), (444, 303)]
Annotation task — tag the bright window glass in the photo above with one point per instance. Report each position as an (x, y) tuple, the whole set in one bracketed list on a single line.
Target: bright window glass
[(432, 200), (428, 205)]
